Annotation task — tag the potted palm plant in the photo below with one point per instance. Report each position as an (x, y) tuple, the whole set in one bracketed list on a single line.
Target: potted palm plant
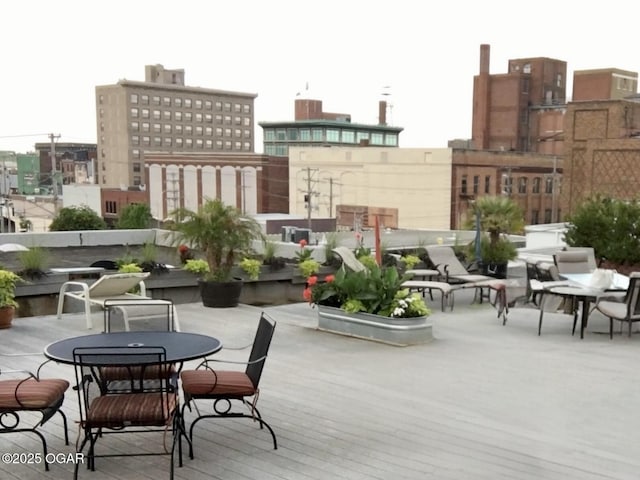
[(8, 304), (222, 234), (497, 216)]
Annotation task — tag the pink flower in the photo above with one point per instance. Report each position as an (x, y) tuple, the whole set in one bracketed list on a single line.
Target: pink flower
[(312, 280), (329, 278), (303, 243), (306, 294)]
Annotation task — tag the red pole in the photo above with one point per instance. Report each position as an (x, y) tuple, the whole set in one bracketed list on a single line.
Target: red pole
[(377, 237)]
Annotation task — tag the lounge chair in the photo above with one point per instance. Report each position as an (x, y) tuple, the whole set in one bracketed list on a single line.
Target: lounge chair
[(111, 287), (450, 268)]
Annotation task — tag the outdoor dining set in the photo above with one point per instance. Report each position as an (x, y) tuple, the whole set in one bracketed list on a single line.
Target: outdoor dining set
[(133, 381)]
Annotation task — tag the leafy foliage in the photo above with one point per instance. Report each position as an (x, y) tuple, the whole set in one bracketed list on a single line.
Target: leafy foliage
[(8, 281), (77, 218), (221, 232), (135, 216), (34, 261), (610, 226), (376, 290)]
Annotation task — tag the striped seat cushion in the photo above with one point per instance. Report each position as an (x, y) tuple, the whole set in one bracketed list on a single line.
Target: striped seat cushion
[(151, 372), (133, 409), (219, 383), (31, 393)]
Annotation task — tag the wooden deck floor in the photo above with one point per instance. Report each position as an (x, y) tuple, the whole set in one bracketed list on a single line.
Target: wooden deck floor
[(482, 401)]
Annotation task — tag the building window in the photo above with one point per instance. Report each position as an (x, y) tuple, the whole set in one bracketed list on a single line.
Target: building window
[(218, 118), (135, 140), (246, 121), (227, 132), (177, 116), (133, 98), (463, 185), (179, 142), (476, 183), (188, 130), (219, 131), (237, 132), (548, 185), (270, 149), (198, 104), (246, 146), (156, 99), (144, 99), (317, 135), (246, 108), (219, 144), (166, 101), (199, 117), (157, 128), (188, 142), (305, 134), (134, 113), (187, 116), (525, 85), (247, 133), (146, 141), (558, 80), (547, 215), (110, 206), (237, 120), (227, 119), (522, 185), (199, 130), (535, 187), (237, 107), (208, 104), (391, 139), (178, 129), (135, 152), (199, 143), (534, 217), (348, 136), (166, 115), (526, 68), (219, 106), (167, 128), (157, 115), (137, 180), (209, 144), (145, 113), (292, 133), (227, 145), (187, 103), (269, 135), (157, 141), (376, 138), (208, 131), (208, 118), (333, 135), (487, 184), (146, 126), (177, 102), (227, 107), (136, 167), (362, 136), (167, 141), (135, 126)]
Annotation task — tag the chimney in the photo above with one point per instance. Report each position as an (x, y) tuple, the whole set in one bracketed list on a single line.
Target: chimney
[(382, 112), (485, 54)]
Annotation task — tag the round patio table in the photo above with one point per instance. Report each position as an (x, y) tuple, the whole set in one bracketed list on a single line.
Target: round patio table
[(179, 346)]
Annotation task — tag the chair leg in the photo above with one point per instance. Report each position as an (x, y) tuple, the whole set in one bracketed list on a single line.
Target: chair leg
[(610, 328)]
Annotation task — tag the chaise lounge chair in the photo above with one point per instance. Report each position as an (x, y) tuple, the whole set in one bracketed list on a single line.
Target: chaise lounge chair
[(110, 288)]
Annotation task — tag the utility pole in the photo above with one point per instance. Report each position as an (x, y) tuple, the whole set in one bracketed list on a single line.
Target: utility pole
[(54, 180), (308, 194), (554, 192), (330, 197)]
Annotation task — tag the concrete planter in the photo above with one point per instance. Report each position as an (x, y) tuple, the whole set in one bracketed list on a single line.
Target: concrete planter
[(394, 331)]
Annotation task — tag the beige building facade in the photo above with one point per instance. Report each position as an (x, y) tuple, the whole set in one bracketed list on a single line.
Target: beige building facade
[(162, 114), (415, 181)]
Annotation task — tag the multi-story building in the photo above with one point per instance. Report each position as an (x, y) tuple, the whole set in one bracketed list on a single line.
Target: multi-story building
[(522, 110), (162, 114), (74, 163), (314, 127)]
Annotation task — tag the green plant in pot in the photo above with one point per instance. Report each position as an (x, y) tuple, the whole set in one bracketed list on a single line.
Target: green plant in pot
[(221, 234), (498, 216), (8, 304)]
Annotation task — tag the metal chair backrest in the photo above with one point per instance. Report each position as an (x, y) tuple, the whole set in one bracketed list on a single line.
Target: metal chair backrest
[(260, 349), (442, 256), (633, 296), (89, 362)]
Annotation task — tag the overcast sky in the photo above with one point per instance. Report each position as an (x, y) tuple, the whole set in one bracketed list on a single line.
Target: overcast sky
[(54, 53)]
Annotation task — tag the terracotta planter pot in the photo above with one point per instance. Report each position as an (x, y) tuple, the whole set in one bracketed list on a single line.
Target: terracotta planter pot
[(6, 316)]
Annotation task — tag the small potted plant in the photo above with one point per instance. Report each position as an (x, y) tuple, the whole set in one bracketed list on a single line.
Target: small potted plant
[(8, 304), (251, 267)]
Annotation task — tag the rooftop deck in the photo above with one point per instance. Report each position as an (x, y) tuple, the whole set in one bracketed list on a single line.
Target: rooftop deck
[(482, 401)]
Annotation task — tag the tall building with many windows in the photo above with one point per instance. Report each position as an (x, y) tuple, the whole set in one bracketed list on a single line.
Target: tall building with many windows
[(314, 127), (162, 114)]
